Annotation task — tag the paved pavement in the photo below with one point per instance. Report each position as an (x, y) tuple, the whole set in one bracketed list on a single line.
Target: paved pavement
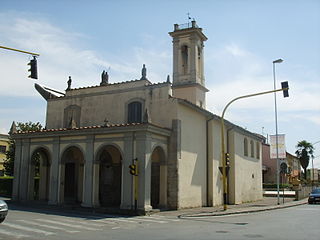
[(267, 203)]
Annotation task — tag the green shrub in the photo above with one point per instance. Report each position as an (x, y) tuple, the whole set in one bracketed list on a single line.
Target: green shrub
[(6, 186)]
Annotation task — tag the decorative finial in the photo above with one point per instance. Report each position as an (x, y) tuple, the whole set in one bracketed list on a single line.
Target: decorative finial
[(69, 84), (168, 79), (144, 73), (104, 78), (106, 123), (13, 128)]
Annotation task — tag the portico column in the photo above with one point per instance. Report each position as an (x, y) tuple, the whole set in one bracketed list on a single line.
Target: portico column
[(24, 169), (54, 173), (16, 171), (143, 154), (88, 175), (127, 201)]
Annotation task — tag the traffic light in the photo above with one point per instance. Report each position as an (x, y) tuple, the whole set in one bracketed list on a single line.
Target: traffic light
[(285, 88), (33, 68), (133, 169), (227, 157)]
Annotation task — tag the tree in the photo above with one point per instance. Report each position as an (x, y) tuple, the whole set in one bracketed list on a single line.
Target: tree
[(10, 154), (304, 153)]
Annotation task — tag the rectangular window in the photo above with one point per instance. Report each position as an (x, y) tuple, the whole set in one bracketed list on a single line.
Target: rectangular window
[(135, 112), (3, 149)]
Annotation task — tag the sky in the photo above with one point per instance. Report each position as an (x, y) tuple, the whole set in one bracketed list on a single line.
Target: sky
[(82, 38)]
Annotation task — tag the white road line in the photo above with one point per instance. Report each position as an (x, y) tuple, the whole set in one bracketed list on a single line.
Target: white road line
[(120, 220), (86, 223), (48, 226), (144, 219), (16, 235), (16, 226), (163, 218), (66, 224)]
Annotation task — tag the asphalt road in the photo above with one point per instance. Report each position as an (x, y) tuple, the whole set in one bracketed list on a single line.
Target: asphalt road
[(301, 222)]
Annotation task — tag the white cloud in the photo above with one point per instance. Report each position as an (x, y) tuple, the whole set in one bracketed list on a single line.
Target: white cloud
[(61, 56)]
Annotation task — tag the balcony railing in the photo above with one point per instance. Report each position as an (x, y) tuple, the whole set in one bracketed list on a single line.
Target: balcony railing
[(191, 24)]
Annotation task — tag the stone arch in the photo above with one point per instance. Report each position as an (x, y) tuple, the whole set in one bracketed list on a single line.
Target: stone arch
[(158, 184), (39, 181), (109, 174), (72, 174)]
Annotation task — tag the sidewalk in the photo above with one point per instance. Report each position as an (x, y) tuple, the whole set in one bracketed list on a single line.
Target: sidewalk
[(267, 203)]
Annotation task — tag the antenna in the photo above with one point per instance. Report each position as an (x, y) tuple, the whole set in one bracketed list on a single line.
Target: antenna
[(188, 14)]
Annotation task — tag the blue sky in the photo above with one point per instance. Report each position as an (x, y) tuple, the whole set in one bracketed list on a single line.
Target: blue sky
[(83, 38)]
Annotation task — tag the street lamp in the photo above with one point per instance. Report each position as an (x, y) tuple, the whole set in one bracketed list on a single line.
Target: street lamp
[(276, 120)]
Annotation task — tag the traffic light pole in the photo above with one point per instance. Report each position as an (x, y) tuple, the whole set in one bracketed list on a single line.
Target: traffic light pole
[(136, 186), (224, 170), (17, 50)]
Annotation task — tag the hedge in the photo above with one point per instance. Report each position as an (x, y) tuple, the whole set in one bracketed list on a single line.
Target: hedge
[(6, 186)]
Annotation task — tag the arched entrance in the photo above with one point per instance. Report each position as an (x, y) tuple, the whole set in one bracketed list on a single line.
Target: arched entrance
[(40, 175), (110, 175), (158, 178), (73, 161)]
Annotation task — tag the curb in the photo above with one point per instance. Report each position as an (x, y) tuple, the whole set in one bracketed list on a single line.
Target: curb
[(241, 211)]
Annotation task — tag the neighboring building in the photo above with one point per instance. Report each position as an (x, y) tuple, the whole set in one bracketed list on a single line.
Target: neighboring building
[(4, 145), (93, 134), (291, 166), (313, 174)]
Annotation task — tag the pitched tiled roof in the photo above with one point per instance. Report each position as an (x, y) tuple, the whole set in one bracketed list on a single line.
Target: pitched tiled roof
[(88, 127)]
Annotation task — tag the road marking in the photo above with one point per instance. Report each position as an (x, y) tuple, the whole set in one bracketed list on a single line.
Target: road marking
[(16, 226), (86, 223), (163, 218), (120, 220), (48, 226), (16, 235), (148, 220), (66, 224)]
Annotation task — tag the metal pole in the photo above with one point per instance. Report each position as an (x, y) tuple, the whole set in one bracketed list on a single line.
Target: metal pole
[(224, 171), (17, 50), (276, 121)]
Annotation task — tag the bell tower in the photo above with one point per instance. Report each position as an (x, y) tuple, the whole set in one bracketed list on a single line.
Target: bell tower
[(188, 74)]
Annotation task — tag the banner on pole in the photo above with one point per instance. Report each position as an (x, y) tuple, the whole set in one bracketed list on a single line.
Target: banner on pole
[(281, 146)]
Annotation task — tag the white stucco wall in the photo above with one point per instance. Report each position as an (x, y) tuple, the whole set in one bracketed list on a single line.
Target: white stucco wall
[(215, 180), (108, 102), (192, 164), (246, 171)]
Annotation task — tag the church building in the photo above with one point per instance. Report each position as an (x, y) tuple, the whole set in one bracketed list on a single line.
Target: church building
[(136, 145)]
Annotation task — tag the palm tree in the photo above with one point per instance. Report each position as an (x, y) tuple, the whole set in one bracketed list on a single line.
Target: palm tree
[(304, 152)]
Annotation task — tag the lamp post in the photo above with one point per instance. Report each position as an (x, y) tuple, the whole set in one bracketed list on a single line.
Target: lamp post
[(276, 120)]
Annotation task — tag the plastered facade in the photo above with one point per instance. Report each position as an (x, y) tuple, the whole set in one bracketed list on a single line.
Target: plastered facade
[(94, 134)]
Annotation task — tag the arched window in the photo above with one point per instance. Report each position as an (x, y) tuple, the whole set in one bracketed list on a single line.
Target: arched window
[(245, 147), (258, 150), (135, 112), (184, 54), (252, 148)]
